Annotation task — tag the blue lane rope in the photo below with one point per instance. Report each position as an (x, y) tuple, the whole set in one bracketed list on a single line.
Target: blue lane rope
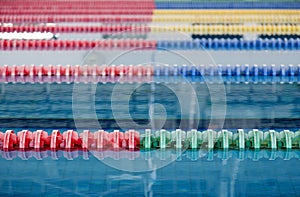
[(231, 44), (155, 79), (227, 5), (227, 70)]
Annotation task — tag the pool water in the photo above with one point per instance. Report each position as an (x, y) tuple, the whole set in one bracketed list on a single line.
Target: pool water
[(193, 104), (211, 175), (184, 104)]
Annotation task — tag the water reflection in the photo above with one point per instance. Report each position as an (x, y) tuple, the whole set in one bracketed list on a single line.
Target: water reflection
[(50, 105), (231, 172), (163, 154)]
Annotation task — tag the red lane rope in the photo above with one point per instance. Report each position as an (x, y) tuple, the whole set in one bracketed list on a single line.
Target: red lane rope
[(70, 139), (78, 29), (76, 12), (77, 7), (58, 70), (76, 79), (73, 2), (68, 18), (75, 44), (76, 4), (91, 6)]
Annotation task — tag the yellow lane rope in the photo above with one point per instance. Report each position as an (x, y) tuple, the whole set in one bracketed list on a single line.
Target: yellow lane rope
[(229, 29), (202, 18), (232, 12)]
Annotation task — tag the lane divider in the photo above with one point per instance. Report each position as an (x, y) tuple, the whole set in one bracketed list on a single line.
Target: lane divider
[(227, 18), (227, 5), (149, 70), (140, 44), (58, 70), (88, 6), (105, 28), (232, 29), (91, 79), (77, 44), (81, 11), (70, 139), (231, 44), (81, 18), (150, 11), (74, 3), (152, 79), (148, 4), (161, 139), (190, 18), (224, 11)]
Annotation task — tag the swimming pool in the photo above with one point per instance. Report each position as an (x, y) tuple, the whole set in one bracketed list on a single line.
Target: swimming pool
[(149, 98), (201, 172)]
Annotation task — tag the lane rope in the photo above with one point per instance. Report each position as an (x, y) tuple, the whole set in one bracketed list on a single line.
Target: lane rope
[(151, 70), (161, 139), (231, 29), (141, 44)]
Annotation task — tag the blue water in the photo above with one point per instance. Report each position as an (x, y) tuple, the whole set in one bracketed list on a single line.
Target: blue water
[(141, 105), (193, 104), (211, 175)]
